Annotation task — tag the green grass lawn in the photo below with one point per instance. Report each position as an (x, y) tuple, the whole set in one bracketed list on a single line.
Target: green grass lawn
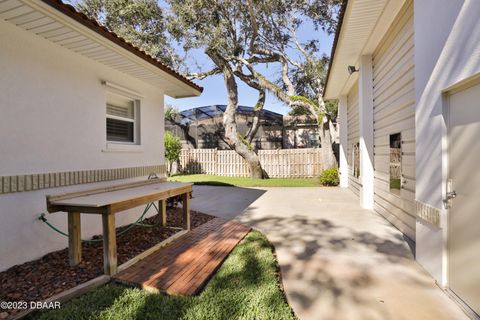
[(204, 179), (245, 287)]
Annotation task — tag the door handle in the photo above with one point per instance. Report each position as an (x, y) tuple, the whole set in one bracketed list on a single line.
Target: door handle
[(451, 195)]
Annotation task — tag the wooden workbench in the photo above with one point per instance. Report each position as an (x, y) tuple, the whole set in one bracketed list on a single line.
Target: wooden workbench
[(109, 201)]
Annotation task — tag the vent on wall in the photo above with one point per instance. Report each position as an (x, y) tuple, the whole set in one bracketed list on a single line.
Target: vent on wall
[(428, 213)]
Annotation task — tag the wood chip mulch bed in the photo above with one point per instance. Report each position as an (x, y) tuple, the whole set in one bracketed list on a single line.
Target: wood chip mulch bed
[(40, 279)]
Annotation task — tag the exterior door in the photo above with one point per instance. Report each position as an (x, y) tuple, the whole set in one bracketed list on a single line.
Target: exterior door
[(464, 213)]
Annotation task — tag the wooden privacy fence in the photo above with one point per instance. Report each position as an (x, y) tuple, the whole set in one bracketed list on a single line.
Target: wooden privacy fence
[(286, 163)]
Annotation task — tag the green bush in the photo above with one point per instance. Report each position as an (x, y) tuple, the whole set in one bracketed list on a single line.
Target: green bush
[(329, 177), (173, 147)]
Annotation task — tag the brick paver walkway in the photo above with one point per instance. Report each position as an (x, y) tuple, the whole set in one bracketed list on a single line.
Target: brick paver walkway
[(185, 266)]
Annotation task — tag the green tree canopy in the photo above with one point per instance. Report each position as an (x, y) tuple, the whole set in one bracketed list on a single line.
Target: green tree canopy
[(173, 148), (141, 22), (242, 37), (171, 112)]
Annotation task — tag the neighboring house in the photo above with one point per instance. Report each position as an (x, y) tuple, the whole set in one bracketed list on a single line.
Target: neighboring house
[(80, 108), (409, 126), (202, 127), (300, 132)]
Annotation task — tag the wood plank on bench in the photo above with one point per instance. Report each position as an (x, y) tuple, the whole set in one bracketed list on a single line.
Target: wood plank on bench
[(110, 201), (184, 266)]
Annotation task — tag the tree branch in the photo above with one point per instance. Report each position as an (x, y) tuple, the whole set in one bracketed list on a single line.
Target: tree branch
[(257, 111), (253, 22), (203, 75), (293, 62), (299, 46), (274, 55), (257, 80)]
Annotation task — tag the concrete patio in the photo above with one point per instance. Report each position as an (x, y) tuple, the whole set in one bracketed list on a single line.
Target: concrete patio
[(337, 260)]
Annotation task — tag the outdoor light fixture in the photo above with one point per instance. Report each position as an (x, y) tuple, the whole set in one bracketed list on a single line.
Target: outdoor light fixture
[(352, 69)]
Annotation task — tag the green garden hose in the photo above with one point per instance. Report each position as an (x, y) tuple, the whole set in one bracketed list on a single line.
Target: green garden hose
[(130, 226)]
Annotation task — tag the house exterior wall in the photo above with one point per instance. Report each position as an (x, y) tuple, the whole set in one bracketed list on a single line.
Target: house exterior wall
[(447, 51), (52, 119), (343, 141), (353, 138), (300, 132), (394, 112), (365, 121), (301, 136), (431, 50)]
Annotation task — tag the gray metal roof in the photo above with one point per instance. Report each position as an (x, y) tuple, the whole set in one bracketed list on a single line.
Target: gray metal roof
[(211, 111)]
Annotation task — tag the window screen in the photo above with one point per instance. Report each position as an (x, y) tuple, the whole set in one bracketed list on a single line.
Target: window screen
[(120, 120), (120, 131)]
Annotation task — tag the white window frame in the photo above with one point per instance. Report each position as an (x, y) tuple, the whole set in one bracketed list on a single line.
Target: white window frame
[(123, 146), (135, 121), (390, 189)]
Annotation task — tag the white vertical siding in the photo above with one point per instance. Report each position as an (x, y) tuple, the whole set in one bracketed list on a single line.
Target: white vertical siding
[(353, 137), (394, 112)]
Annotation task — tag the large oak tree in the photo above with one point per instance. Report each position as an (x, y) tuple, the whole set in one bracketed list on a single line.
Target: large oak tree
[(241, 37)]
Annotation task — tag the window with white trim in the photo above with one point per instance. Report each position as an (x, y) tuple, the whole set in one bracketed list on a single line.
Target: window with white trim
[(122, 121)]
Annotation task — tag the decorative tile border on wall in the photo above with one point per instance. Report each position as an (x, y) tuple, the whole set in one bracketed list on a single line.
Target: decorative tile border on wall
[(428, 213), (31, 182)]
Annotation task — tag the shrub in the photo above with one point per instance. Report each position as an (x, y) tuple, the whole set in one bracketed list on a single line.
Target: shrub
[(329, 177), (173, 147)]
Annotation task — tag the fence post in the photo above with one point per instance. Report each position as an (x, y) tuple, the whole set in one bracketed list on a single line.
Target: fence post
[(215, 161)]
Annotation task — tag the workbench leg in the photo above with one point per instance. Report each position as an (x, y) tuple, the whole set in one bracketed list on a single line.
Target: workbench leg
[(74, 238), (186, 211), (109, 244), (162, 207)]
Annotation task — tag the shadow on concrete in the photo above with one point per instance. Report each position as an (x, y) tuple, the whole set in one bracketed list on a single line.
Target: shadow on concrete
[(337, 261), (335, 266)]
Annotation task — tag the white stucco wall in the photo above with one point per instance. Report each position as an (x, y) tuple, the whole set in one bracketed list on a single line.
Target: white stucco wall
[(52, 118), (447, 50)]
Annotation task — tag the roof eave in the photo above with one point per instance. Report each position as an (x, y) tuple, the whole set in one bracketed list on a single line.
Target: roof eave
[(191, 89), (362, 26), (335, 41)]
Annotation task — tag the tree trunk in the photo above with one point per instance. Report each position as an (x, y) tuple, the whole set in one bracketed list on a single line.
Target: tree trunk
[(326, 154), (333, 131), (229, 122), (252, 131)]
